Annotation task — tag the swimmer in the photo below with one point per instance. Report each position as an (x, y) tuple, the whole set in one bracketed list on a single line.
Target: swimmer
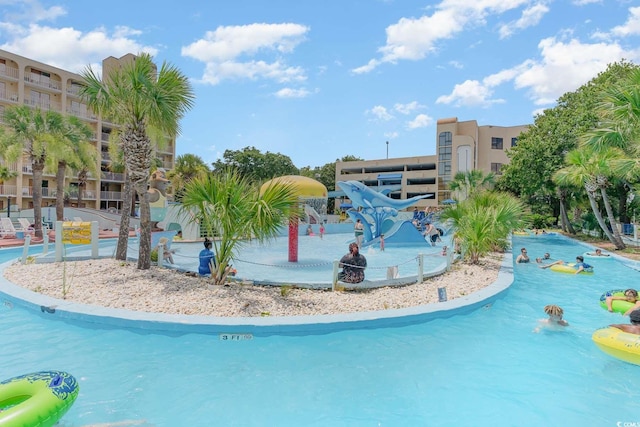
[(523, 257), (555, 314)]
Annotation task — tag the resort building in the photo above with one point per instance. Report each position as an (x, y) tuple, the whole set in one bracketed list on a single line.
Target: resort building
[(24, 81), (460, 147)]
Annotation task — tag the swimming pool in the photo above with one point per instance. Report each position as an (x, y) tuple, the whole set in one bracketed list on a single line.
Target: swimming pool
[(482, 368)]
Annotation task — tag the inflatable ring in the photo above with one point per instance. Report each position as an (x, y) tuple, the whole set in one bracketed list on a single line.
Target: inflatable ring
[(617, 305), (592, 255), (568, 268), (619, 344), (38, 399)]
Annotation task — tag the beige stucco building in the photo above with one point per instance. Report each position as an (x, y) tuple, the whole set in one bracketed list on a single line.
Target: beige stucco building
[(460, 147), (24, 81)]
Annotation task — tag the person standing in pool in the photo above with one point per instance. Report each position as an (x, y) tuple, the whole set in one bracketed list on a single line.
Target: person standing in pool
[(555, 314), (523, 257), (358, 230), (207, 259)]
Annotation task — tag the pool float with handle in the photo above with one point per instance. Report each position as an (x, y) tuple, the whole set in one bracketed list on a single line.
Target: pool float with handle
[(36, 400), (592, 255), (619, 344), (568, 268), (617, 305)]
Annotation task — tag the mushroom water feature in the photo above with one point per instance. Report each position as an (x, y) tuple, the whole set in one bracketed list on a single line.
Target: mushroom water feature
[(312, 194)]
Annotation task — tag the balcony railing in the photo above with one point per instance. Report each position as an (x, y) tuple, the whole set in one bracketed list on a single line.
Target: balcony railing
[(9, 72), (9, 96), (8, 190), (48, 83), (82, 114), (110, 195), (111, 176), (46, 192), (44, 105)]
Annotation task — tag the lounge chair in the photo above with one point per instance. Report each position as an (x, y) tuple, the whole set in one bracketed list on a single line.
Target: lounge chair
[(8, 230), (25, 225)]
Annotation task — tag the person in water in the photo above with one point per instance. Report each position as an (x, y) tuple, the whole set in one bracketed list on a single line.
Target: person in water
[(523, 257), (555, 314), (598, 252), (630, 295), (579, 265), (545, 257), (634, 327), (207, 259), (353, 265)]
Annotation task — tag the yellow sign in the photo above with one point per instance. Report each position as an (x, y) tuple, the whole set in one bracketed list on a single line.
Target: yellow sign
[(78, 233)]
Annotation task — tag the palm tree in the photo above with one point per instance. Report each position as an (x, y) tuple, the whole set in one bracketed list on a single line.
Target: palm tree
[(592, 168), (30, 131), (69, 147), (143, 102), (483, 222), (187, 168), (231, 208), (469, 182)]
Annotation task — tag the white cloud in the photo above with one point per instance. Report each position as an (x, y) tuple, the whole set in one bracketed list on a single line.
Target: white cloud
[(566, 66), (407, 108), (420, 121), (585, 2), (214, 73), (69, 48), (380, 113), (31, 11), (391, 135), (563, 67), (470, 93), (415, 38), (530, 17), (631, 27), (222, 51), (292, 93)]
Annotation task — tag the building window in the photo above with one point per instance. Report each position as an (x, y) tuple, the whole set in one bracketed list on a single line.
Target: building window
[(496, 168), (496, 143), (445, 139), (514, 142), (39, 99), (444, 168)]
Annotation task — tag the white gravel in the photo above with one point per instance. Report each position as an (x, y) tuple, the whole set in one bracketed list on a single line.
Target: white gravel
[(110, 283)]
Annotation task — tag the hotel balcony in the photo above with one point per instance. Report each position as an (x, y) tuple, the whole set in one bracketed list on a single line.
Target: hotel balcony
[(43, 105), (11, 72), (111, 176), (8, 190), (44, 82), (110, 195)]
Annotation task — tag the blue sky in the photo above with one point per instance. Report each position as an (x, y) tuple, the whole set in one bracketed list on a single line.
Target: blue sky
[(318, 80)]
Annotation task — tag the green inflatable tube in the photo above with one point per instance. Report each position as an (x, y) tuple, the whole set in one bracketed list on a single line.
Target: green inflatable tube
[(618, 306), (36, 400)]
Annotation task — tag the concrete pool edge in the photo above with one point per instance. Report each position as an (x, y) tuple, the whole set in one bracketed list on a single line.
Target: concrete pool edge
[(255, 326)]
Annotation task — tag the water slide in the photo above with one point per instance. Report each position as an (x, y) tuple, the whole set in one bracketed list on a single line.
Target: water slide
[(312, 214), (402, 232)]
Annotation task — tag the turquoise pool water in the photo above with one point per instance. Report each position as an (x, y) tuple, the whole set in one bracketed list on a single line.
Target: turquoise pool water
[(483, 368)]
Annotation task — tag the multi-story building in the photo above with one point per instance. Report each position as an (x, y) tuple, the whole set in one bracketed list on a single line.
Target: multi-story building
[(24, 81), (460, 147)]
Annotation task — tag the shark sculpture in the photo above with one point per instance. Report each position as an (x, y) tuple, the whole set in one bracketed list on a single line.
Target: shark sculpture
[(362, 196)]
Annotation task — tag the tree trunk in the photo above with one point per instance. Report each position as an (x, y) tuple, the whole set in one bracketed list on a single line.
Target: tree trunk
[(598, 215), (37, 167), (123, 235), (144, 249), (566, 223), (612, 220), (622, 203), (82, 184), (60, 173)]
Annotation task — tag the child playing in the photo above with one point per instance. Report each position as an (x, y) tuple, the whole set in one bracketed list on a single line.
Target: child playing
[(382, 242), (555, 318), (321, 230)]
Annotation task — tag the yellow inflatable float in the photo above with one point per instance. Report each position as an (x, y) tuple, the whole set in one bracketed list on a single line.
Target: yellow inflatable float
[(619, 344)]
